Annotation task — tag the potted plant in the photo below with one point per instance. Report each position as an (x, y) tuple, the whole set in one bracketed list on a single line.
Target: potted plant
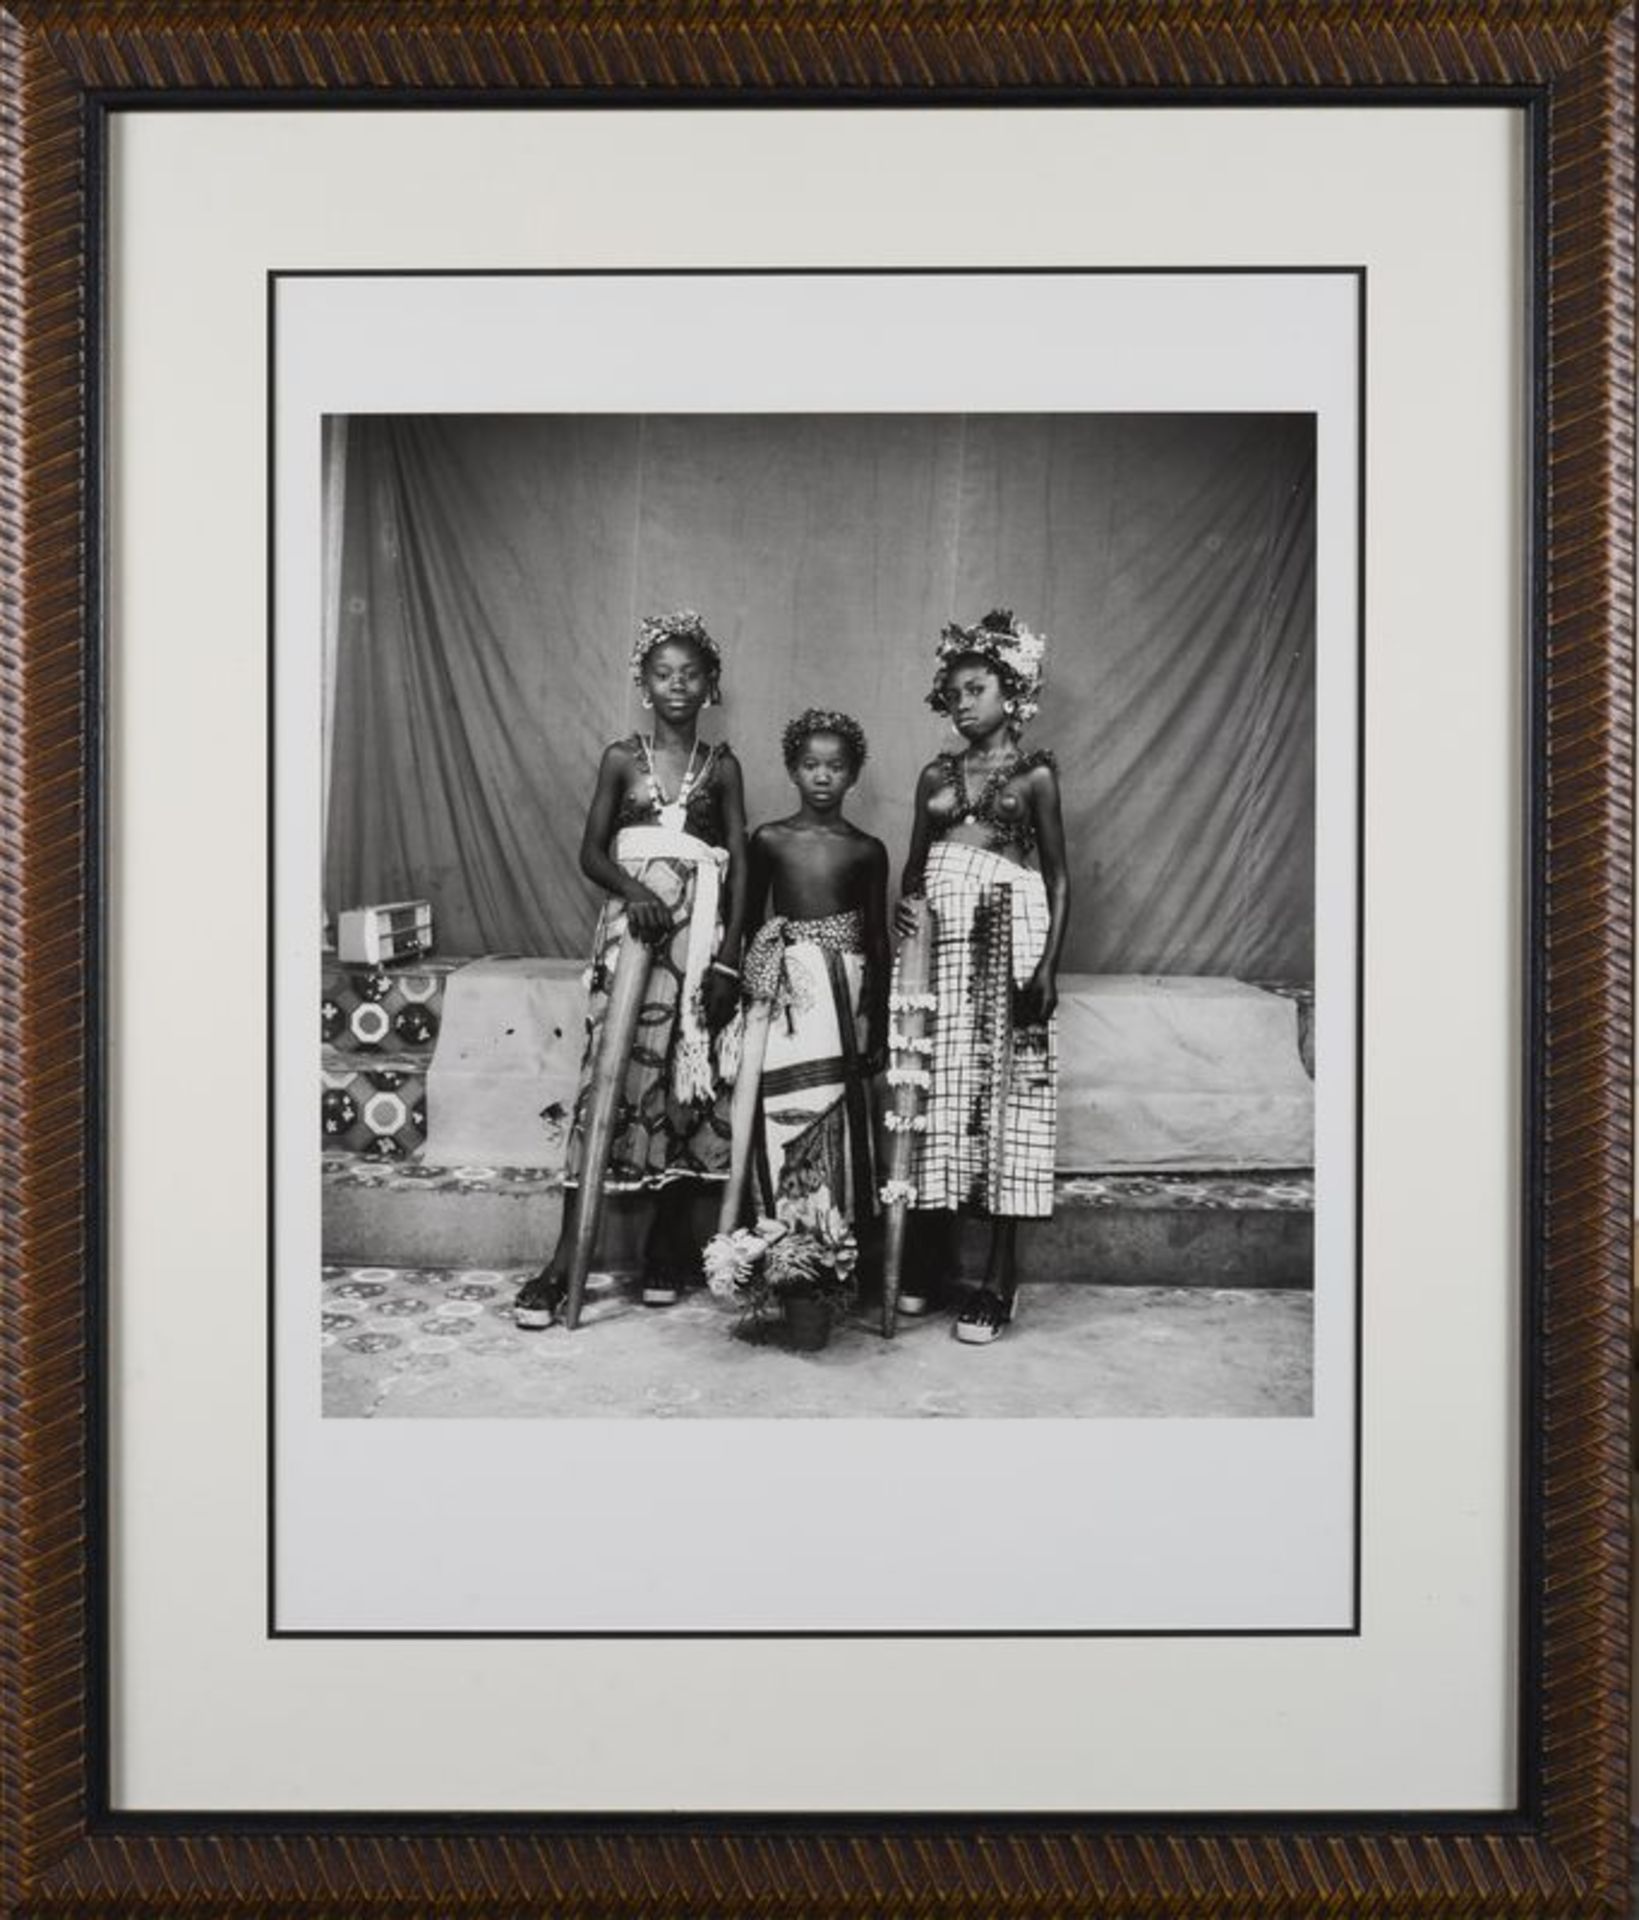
[(798, 1267)]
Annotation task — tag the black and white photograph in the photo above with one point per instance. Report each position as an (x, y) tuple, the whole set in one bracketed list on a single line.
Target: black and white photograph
[(820, 836), (819, 914)]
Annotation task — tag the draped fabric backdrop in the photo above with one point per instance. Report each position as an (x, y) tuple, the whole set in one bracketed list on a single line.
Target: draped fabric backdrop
[(493, 571)]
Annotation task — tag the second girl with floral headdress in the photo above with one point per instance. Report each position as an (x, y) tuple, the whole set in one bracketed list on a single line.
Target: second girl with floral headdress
[(987, 854)]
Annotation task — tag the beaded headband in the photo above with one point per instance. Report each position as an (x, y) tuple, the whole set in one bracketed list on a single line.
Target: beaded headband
[(1004, 644), (823, 720), (686, 626)]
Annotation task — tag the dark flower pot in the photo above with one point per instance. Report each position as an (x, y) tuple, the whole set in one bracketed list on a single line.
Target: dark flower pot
[(807, 1324)]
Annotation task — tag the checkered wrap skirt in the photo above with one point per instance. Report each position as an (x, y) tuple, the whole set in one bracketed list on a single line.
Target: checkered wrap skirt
[(992, 1110)]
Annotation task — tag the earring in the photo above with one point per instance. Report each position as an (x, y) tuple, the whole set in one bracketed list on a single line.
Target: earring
[(647, 701), (1010, 708)]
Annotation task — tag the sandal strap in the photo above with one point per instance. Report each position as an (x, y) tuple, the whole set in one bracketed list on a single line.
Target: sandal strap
[(987, 1308), (542, 1290)]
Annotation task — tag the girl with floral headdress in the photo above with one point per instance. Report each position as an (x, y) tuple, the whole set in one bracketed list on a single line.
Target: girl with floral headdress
[(987, 856), (665, 838)]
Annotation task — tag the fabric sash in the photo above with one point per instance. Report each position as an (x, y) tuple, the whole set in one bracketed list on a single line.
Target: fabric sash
[(692, 1076), (764, 972)]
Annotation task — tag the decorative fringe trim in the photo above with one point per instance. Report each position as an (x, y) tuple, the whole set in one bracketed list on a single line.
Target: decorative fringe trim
[(692, 1077), (730, 1046)]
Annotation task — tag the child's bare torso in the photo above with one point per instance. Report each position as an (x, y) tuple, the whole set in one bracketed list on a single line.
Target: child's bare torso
[(816, 870)]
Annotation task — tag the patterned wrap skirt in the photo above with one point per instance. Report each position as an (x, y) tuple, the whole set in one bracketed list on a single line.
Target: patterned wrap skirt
[(813, 1107), (992, 1108), (659, 1135)]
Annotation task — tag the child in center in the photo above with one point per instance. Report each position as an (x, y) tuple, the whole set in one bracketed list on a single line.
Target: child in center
[(819, 964)]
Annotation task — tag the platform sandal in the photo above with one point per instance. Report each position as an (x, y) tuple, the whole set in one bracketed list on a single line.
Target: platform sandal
[(539, 1302), (916, 1304), (986, 1317), (660, 1289)]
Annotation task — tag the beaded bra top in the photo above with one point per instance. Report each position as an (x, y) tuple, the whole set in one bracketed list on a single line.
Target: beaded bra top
[(643, 803), (1015, 832)]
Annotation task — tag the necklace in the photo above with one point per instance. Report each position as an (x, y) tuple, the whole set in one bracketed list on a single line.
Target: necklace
[(672, 813), (970, 807)]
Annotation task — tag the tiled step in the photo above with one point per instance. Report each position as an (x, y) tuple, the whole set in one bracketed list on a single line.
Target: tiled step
[(375, 1105), (1211, 1230)]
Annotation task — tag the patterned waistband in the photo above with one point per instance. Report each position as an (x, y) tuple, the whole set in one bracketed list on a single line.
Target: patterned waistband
[(764, 968)]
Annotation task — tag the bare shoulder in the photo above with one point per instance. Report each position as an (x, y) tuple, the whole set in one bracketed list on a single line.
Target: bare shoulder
[(861, 860), (620, 756), (871, 850), (1041, 770), (934, 775)]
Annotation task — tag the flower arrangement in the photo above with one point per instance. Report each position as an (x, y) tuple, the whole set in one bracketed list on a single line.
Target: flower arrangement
[(807, 1252)]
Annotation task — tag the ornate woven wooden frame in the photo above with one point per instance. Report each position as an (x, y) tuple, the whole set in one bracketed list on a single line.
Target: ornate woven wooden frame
[(1565, 1852)]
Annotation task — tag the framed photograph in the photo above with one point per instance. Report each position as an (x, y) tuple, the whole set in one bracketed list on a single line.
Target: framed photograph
[(818, 897)]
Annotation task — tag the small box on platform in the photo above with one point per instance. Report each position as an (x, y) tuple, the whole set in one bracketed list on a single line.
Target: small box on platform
[(399, 930)]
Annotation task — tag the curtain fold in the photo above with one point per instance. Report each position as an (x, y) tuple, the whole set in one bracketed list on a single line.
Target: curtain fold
[(492, 571), (333, 444)]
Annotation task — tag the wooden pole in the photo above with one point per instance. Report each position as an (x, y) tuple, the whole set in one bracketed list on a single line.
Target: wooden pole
[(907, 1101), (743, 1113), (602, 1108)]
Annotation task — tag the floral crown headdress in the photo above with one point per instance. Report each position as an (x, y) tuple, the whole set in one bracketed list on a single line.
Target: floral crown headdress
[(823, 720), (1005, 644), (686, 625)]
